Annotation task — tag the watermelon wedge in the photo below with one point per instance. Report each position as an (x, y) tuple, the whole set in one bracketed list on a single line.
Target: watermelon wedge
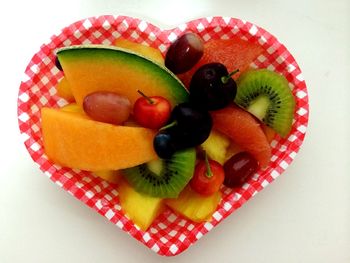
[(234, 53)]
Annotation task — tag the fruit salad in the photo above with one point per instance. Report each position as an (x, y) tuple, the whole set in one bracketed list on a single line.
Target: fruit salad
[(133, 115), (173, 130)]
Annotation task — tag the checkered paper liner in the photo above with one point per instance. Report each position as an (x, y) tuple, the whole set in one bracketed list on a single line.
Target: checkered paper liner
[(170, 234)]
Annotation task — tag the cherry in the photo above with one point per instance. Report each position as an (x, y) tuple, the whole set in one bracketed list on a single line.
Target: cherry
[(208, 177), (212, 87), (151, 112)]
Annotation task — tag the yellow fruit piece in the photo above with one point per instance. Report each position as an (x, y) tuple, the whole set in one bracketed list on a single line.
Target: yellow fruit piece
[(194, 206), (141, 209), (73, 140), (109, 175), (216, 146), (146, 51), (64, 90)]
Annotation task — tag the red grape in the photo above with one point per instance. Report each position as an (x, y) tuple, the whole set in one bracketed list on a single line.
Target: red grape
[(239, 168), (107, 107), (184, 53)]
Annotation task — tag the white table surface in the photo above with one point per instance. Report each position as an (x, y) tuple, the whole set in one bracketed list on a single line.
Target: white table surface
[(304, 216)]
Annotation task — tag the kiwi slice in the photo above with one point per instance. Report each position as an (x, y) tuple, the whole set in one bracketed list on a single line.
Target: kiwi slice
[(164, 178), (267, 96)]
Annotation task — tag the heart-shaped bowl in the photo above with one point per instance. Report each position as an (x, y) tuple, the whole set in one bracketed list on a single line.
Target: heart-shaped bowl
[(169, 234)]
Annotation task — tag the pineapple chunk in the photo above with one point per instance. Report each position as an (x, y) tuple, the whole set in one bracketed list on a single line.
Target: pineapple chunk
[(141, 209), (216, 146), (109, 175), (194, 206)]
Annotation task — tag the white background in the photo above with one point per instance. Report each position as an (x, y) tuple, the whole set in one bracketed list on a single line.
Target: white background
[(304, 216)]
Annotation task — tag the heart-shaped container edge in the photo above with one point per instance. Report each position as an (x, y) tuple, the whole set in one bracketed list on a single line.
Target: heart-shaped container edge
[(170, 234)]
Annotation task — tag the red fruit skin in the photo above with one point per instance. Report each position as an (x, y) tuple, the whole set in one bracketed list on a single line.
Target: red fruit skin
[(239, 168), (240, 126), (184, 53), (152, 115), (108, 107), (203, 184)]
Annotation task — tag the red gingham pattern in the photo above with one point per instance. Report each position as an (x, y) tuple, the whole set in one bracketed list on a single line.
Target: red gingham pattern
[(170, 234)]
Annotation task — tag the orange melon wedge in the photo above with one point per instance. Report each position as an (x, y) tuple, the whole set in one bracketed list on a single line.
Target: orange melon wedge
[(73, 140), (90, 68), (64, 90)]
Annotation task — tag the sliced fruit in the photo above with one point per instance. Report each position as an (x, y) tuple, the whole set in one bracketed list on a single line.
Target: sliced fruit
[(269, 132), (64, 90), (216, 146), (73, 107), (140, 208), (168, 178), (109, 175), (73, 140), (90, 68), (234, 53), (146, 51), (267, 96), (241, 127), (194, 206)]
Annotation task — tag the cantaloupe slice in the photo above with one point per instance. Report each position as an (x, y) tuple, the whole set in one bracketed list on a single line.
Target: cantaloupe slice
[(73, 140), (73, 107), (90, 68), (64, 90), (109, 175), (148, 52), (140, 208)]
